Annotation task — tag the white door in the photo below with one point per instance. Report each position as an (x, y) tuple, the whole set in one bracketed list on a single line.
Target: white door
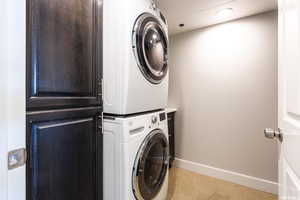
[(12, 95), (289, 99)]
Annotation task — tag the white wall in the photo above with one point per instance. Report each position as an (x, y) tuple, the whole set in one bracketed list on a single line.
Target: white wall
[(223, 79)]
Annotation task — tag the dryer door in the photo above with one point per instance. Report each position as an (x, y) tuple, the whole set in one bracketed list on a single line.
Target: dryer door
[(150, 45), (151, 166)]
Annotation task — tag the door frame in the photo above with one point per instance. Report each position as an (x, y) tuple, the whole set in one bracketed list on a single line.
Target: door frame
[(12, 95), (3, 99)]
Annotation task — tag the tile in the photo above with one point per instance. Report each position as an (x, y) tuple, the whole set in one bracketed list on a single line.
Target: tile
[(186, 185)]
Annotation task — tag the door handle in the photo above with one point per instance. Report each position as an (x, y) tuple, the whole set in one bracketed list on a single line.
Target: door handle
[(272, 134)]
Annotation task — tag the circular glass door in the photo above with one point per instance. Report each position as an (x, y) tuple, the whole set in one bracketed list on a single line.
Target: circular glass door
[(151, 166), (150, 45)]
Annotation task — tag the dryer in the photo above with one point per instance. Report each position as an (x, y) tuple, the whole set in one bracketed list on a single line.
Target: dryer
[(135, 56), (136, 157)]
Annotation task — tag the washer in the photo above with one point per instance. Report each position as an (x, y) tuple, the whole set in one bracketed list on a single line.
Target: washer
[(135, 57), (136, 157)]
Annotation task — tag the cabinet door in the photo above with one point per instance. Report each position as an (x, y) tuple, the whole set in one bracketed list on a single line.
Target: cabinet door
[(171, 126), (64, 53), (64, 155)]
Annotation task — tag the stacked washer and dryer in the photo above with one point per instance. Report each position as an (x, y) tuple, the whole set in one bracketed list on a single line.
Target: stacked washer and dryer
[(135, 75)]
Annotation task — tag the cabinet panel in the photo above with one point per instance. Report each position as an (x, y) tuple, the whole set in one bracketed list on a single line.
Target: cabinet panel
[(64, 158), (171, 129), (64, 53)]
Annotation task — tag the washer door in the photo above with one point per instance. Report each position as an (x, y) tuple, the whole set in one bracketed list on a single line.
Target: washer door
[(150, 45), (151, 166)]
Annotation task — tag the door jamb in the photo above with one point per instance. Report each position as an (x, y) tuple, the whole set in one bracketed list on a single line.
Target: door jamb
[(3, 99), (3, 136)]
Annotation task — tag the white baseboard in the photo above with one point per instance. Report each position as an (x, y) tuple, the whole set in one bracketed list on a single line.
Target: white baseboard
[(241, 179)]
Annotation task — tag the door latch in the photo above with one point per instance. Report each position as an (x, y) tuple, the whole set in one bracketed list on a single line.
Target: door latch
[(16, 158)]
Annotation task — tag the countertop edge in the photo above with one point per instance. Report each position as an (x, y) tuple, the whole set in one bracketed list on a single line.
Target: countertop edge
[(170, 110)]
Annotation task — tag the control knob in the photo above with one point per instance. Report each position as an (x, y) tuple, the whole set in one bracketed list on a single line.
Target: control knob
[(154, 119)]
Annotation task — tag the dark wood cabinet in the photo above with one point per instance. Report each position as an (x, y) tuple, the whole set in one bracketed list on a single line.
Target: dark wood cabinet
[(64, 53), (64, 157), (64, 100), (171, 129)]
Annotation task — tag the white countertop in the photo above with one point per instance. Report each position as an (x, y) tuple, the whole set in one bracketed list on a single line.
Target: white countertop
[(170, 110)]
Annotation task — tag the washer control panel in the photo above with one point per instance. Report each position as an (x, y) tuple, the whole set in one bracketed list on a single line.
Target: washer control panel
[(156, 119), (162, 116)]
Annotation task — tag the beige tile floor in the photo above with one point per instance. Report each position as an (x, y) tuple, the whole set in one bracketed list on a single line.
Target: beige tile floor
[(186, 185)]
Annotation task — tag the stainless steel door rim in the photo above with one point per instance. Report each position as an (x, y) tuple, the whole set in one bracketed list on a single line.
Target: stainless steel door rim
[(150, 46), (151, 166)]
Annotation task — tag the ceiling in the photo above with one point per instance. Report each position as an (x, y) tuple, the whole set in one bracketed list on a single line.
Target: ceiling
[(200, 13)]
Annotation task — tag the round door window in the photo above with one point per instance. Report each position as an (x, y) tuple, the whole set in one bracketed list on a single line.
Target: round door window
[(150, 45), (151, 166)]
